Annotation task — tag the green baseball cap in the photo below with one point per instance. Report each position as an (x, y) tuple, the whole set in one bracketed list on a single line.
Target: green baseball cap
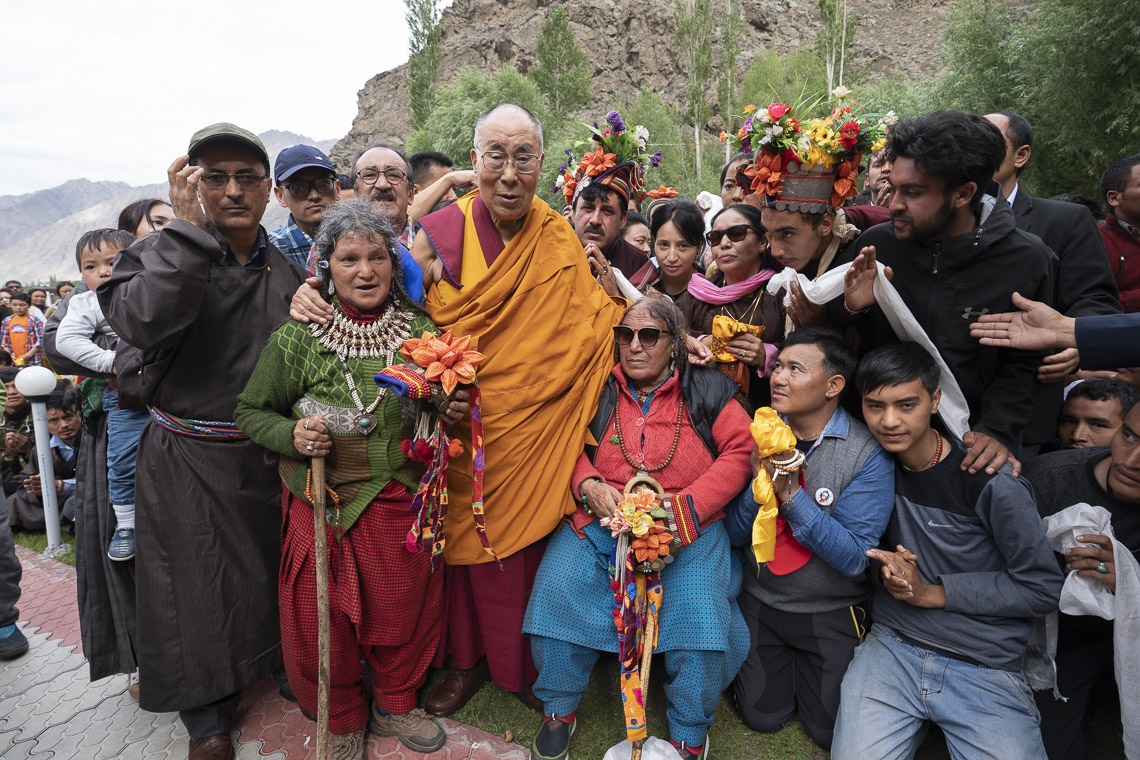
[(225, 132)]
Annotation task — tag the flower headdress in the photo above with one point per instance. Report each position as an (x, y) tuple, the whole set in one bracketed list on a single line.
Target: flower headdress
[(614, 156), (810, 166)]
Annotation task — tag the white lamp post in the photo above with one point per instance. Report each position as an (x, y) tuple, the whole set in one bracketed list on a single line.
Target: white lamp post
[(35, 383)]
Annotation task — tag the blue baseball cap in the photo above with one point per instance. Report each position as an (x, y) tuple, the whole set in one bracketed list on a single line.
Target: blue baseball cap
[(294, 159)]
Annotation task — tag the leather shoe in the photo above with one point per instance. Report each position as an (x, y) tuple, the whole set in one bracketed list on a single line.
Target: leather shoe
[(527, 697), (454, 691), (216, 747)]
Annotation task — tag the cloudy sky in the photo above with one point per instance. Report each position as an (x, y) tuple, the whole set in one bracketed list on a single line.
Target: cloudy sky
[(112, 90)]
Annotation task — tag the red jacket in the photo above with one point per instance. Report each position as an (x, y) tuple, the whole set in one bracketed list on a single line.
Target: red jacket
[(1124, 261)]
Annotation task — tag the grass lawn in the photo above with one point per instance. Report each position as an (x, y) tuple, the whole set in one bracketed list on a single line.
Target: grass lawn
[(600, 723), (37, 542)]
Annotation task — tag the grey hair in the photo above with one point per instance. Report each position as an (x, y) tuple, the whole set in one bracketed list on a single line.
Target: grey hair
[(662, 310), (387, 146), (482, 120), (357, 217)]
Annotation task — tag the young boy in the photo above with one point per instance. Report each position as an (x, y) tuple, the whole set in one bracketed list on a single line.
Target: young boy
[(22, 334), (970, 572), (83, 337)]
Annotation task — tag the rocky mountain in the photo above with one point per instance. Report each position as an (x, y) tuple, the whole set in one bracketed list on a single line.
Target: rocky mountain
[(632, 47), (38, 230)]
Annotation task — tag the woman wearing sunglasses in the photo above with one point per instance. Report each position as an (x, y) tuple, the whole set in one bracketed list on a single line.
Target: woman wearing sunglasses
[(681, 426), (735, 289)]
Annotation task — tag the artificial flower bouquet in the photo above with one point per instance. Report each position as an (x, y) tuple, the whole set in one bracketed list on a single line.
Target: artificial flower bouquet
[(642, 518)]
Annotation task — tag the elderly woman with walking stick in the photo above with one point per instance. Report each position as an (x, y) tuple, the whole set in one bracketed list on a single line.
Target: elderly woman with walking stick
[(312, 396)]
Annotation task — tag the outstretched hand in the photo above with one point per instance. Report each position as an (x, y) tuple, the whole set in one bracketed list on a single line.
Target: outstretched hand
[(1035, 327)]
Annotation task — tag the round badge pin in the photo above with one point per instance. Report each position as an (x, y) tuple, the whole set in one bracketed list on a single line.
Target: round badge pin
[(824, 497)]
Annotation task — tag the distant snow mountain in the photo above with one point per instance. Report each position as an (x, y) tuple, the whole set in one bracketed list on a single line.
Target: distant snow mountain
[(38, 230)]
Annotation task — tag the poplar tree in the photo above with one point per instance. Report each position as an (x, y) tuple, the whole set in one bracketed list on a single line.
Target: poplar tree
[(731, 29), (836, 39), (562, 75), (425, 56), (693, 20)]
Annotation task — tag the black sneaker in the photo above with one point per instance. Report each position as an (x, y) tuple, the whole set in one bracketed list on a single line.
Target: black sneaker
[(692, 753), (553, 740), (12, 642)]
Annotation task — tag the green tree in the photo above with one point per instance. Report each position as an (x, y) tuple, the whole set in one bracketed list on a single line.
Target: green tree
[(1071, 67), (425, 56), (562, 75), (977, 41), (732, 26), (1078, 70), (796, 77), (693, 20), (450, 128)]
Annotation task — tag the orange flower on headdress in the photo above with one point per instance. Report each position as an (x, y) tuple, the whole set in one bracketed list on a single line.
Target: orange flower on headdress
[(766, 174), (446, 359), (568, 188), (663, 192), (846, 181), (597, 162)]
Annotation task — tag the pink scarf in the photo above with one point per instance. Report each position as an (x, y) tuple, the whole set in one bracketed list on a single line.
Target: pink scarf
[(703, 290)]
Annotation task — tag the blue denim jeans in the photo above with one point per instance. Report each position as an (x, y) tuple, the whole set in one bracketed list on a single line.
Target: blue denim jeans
[(123, 429), (694, 680), (894, 688)]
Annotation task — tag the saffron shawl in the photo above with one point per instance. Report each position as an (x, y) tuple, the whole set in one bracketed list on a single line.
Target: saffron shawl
[(546, 328)]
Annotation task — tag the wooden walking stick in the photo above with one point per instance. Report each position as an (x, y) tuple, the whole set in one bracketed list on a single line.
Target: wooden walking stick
[(324, 644)]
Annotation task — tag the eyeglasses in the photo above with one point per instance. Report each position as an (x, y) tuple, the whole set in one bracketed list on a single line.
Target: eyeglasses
[(496, 161), (300, 190), (369, 176), (646, 336), (218, 180), (735, 233)]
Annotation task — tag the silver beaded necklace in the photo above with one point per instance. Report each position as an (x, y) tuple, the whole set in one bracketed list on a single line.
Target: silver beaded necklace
[(350, 340)]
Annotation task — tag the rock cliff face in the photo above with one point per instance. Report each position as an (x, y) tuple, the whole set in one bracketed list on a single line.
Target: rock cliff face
[(632, 47)]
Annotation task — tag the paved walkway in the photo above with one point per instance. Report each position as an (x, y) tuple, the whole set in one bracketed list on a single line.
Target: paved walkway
[(49, 708)]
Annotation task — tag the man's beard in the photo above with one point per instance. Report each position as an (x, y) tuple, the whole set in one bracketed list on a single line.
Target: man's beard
[(932, 229)]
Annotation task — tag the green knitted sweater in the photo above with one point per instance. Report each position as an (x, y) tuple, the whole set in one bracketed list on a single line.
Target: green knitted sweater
[(295, 377)]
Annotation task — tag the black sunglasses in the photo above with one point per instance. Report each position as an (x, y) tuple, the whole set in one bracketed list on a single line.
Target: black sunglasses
[(646, 336), (735, 233)]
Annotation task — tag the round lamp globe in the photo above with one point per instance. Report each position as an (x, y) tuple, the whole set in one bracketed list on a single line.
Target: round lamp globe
[(35, 382)]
